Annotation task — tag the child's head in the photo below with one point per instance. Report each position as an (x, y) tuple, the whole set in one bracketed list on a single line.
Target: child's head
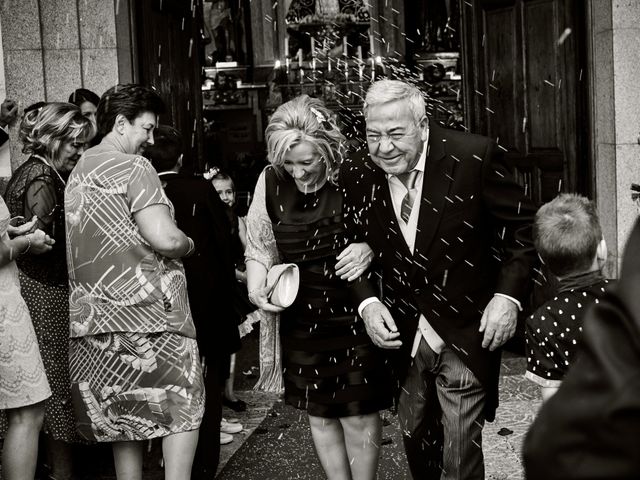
[(225, 188), (568, 237), (165, 153)]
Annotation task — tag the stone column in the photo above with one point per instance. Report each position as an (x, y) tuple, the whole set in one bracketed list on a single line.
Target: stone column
[(615, 73)]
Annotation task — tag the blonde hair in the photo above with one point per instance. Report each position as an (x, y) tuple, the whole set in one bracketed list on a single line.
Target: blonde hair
[(305, 119), (45, 130), (385, 91)]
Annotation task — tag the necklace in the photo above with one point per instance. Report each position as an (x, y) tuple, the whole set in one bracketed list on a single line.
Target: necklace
[(46, 162)]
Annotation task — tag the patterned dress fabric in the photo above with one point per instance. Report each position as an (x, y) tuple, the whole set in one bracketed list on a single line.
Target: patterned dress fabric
[(331, 368), (22, 377), (554, 332), (135, 369), (36, 189)]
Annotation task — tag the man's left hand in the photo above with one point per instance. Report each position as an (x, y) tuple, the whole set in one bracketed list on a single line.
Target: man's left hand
[(498, 322), (353, 261)]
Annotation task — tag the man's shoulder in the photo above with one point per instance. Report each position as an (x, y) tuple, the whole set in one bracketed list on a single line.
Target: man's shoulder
[(458, 139), (186, 186)]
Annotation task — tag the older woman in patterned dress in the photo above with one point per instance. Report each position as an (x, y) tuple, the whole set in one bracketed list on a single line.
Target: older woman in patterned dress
[(135, 369)]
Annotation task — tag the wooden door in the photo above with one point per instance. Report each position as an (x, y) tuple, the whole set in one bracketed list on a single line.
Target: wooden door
[(526, 87), (170, 54)]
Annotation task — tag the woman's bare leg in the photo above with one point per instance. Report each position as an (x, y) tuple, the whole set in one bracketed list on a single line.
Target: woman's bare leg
[(20, 452), (178, 451), (362, 437), (127, 457), (61, 460), (328, 439)]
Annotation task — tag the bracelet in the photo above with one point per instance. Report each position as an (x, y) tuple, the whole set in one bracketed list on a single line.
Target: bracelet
[(192, 247), (28, 237)]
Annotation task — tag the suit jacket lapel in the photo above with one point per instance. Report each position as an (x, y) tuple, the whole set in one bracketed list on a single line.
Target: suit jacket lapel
[(435, 187)]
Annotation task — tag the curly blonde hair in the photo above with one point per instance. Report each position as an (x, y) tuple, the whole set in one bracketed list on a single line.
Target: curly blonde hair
[(43, 131), (305, 119)]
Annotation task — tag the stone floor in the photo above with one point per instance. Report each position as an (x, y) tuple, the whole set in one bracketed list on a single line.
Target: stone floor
[(276, 443)]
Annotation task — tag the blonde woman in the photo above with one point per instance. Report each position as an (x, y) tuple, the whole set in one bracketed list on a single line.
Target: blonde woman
[(331, 368)]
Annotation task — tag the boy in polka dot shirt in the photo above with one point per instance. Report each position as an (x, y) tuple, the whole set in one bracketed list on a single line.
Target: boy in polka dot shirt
[(569, 241)]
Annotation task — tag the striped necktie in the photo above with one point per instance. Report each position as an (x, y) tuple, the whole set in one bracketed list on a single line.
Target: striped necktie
[(409, 181)]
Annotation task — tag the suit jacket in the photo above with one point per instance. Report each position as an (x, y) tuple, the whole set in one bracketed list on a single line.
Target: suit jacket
[(473, 240), (210, 270), (589, 428)]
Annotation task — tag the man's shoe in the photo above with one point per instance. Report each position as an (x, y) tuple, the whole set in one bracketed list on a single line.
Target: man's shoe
[(225, 438), (228, 427)]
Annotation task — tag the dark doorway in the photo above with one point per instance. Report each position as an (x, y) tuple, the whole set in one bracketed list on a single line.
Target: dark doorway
[(528, 88), (170, 58)]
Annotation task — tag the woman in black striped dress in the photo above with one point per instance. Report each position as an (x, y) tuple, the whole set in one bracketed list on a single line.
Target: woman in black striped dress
[(331, 369)]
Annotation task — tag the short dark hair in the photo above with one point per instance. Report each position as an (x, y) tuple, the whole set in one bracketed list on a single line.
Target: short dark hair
[(81, 95), (166, 148), (566, 234), (130, 100)]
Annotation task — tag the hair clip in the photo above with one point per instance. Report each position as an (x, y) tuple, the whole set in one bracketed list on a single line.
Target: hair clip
[(212, 172), (318, 114), (322, 120)]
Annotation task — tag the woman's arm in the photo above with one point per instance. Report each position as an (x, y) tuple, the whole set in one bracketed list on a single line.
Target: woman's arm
[(37, 242), (40, 201), (159, 230), (242, 232), (261, 252)]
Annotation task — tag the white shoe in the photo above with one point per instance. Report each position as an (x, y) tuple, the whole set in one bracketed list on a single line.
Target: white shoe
[(225, 438), (228, 427)]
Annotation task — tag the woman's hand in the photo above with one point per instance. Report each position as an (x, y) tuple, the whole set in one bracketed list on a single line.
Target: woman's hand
[(260, 299), (353, 261), (24, 229), (39, 242)]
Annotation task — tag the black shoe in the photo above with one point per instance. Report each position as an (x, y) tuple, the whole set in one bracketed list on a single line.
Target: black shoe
[(236, 406)]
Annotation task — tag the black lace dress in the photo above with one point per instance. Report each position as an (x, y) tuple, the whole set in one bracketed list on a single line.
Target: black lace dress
[(330, 366), (36, 189)]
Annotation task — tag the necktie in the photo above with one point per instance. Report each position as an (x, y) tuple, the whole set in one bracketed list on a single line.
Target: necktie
[(409, 181)]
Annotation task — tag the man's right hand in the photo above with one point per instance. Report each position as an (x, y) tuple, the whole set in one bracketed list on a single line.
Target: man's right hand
[(380, 326)]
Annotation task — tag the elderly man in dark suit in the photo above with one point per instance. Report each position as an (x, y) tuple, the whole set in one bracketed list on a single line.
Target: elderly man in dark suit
[(210, 273), (451, 232)]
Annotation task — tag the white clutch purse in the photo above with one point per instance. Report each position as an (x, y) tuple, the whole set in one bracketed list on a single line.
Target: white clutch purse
[(283, 282)]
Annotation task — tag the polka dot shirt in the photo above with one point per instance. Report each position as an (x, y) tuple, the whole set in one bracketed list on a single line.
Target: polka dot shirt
[(554, 331)]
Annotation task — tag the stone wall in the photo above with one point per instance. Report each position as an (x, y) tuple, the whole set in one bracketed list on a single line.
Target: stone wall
[(52, 47)]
